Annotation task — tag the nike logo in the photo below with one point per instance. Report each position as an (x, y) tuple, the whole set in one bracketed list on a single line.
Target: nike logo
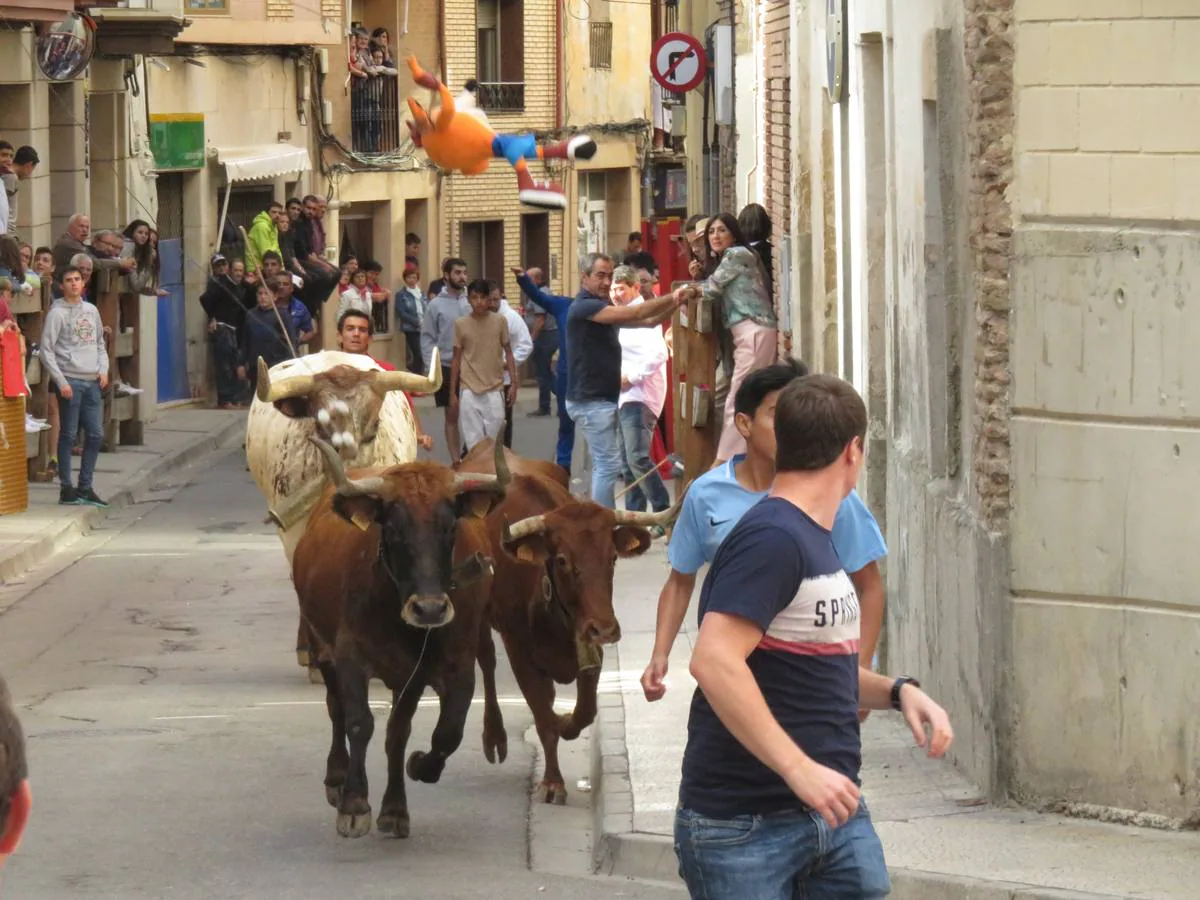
[(716, 523)]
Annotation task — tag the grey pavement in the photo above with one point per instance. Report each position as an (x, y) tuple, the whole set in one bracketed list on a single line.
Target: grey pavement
[(177, 751), (941, 838)]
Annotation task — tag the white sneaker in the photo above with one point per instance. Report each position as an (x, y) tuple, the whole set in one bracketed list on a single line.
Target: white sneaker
[(33, 424), (124, 390)]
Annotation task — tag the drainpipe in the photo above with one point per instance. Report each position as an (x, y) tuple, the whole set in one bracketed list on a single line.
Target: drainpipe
[(559, 37)]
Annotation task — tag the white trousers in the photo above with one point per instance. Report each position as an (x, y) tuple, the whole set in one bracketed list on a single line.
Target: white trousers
[(480, 416)]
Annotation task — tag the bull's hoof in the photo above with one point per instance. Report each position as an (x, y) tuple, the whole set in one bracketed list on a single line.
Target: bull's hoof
[(567, 729), (303, 657), (354, 825), (423, 767), (552, 792), (495, 748), (333, 795), (315, 676), (393, 824)]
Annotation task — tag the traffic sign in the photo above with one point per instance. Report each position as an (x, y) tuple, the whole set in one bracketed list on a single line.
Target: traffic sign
[(678, 62)]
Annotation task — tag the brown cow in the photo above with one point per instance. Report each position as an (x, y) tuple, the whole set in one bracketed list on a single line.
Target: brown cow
[(375, 574), (551, 597)]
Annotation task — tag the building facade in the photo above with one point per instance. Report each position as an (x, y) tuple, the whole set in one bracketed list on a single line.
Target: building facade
[(989, 229)]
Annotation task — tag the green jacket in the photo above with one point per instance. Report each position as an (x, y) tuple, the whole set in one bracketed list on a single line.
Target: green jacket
[(263, 236)]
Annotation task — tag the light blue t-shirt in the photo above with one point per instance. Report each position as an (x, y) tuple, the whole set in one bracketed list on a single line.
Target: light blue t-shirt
[(716, 502)]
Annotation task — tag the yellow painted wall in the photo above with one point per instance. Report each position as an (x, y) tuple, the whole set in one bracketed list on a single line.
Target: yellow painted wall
[(618, 94), (293, 22)]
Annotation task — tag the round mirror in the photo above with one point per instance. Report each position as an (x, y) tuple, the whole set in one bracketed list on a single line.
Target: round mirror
[(65, 49)]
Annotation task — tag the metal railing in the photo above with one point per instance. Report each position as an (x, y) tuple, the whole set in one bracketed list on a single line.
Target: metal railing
[(502, 96), (600, 45), (375, 114)]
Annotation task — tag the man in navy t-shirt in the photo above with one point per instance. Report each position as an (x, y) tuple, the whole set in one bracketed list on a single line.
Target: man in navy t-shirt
[(769, 804), (594, 352)]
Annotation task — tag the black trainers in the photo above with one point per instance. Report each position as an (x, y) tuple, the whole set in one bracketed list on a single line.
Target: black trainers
[(68, 496), (88, 497)]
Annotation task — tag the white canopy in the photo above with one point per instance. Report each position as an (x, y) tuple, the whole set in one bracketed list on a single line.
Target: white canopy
[(262, 161)]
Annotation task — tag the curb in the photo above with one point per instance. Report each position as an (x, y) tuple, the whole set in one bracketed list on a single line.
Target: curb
[(37, 552), (617, 849)]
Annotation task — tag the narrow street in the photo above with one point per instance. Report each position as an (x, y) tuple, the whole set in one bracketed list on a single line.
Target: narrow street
[(176, 750)]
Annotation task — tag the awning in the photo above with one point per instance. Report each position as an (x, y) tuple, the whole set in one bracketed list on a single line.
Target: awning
[(262, 161)]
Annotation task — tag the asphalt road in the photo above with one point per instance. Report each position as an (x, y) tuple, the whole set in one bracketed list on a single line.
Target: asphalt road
[(177, 751)]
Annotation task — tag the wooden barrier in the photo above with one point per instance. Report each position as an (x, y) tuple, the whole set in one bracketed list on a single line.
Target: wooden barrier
[(123, 415), (30, 312), (693, 374)]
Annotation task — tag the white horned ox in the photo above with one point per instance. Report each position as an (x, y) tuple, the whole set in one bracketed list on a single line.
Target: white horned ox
[(348, 400)]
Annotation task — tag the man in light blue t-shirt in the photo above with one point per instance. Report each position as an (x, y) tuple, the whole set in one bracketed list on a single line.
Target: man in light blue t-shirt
[(718, 499)]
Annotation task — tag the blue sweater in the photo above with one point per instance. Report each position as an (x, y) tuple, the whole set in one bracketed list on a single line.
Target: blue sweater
[(556, 306)]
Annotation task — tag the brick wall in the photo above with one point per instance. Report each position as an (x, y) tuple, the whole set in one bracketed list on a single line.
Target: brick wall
[(493, 195), (777, 193), (280, 10), (989, 33)]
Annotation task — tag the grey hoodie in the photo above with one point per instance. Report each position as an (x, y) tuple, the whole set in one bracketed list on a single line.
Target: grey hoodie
[(438, 328), (73, 342)]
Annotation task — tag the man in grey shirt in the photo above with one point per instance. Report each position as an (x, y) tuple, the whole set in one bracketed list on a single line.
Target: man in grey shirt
[(73, 354), (544, 331), (437, 330)]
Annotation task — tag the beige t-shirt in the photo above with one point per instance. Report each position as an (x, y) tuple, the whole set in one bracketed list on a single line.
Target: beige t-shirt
[(481, 344)]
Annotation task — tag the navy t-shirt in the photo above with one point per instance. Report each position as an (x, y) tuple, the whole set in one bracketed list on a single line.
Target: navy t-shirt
[(779, 570), (594, 351)]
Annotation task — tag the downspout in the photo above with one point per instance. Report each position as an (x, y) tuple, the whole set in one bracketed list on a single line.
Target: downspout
[(558, 64)]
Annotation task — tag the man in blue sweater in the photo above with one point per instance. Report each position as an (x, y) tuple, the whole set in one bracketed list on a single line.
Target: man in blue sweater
[(532, 285)]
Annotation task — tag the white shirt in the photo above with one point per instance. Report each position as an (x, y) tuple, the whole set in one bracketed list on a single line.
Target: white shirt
[(518, 336), (644, 363)]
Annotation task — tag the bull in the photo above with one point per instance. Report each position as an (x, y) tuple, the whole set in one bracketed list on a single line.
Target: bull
[(348, 400), (551, 597), (390, 580)]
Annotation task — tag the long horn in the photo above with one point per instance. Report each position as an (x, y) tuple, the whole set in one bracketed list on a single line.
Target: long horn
[(408, 381), (469, 481), (523, 528), (346, 487), (269, 392), (647, 519)]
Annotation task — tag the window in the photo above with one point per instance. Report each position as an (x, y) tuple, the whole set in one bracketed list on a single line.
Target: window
[(535, 241), (601, 45), (600, 35), (206, 6), (482, 247), (500, 55)]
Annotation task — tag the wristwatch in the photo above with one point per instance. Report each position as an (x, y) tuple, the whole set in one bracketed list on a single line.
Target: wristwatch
[(897, 685)]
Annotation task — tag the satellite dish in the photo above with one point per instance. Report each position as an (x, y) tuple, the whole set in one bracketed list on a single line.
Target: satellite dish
[(65, 49)]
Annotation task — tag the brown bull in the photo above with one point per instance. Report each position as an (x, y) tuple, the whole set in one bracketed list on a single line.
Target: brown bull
[(375, 573), (551, 597)]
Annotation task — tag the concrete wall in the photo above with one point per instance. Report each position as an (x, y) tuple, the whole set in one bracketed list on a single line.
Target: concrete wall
[(903, 192), (294, 22), (1105, 626)]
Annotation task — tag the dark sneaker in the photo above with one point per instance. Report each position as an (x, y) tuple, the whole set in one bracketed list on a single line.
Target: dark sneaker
[(538, 413), (68, 496), (88, 497)]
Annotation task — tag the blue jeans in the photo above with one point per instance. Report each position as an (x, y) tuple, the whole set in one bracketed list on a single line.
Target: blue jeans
[(784, 856), (637, 432), (598, 419), (86, 408), (566, 428)]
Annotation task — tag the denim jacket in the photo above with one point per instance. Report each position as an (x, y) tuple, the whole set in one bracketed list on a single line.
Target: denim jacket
[(740, 286)]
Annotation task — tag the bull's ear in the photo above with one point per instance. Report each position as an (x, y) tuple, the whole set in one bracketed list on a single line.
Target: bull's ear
[(631, 540), (362, 512), (293, 407), (477, 504), (531, 549)]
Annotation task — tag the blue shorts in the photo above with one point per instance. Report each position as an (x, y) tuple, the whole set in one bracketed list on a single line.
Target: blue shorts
[(514, 147)]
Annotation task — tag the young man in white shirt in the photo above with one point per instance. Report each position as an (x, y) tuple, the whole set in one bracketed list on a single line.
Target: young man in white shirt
[(643, 392)]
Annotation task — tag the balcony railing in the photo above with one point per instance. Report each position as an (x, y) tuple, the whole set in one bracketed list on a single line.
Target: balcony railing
[(601, 45), (375, 114), (502, 96)]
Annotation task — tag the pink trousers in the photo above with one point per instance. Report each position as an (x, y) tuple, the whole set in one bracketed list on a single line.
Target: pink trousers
[(754, 347)]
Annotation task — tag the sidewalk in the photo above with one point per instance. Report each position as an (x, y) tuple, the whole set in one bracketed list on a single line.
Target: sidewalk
[(942, 839), (176, 438)]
